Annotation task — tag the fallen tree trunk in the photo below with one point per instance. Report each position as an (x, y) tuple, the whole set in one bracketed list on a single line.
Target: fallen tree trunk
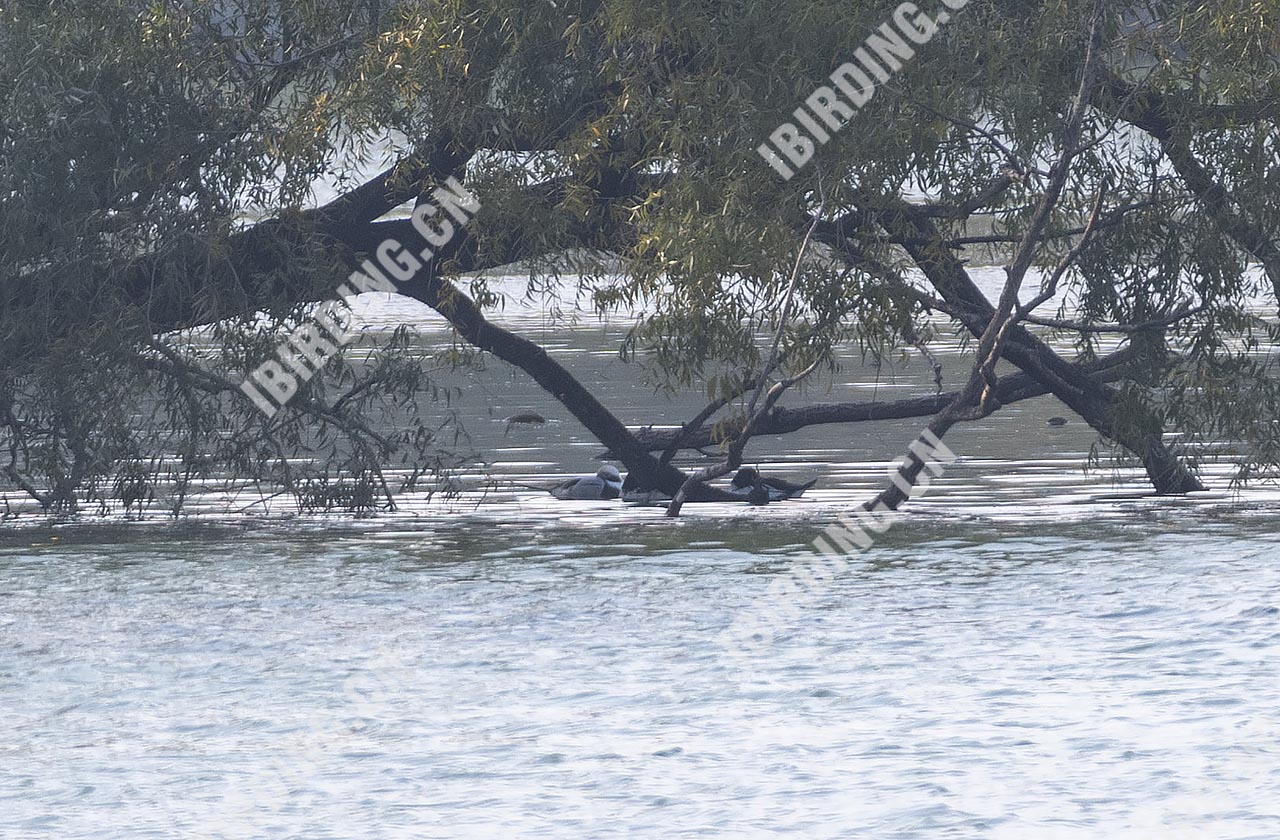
[(781, 421)]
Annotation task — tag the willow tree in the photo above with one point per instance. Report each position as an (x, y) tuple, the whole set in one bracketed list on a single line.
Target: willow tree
[(158, 161)]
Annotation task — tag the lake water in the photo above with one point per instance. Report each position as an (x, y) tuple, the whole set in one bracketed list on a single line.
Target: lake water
[(1029, 651)]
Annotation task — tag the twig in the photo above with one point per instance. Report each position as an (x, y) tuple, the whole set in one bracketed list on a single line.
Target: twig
[(687, 429), (733, 458)]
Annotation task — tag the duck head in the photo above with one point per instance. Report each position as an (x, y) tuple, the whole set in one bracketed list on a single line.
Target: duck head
[(610, 474), (746, 477)]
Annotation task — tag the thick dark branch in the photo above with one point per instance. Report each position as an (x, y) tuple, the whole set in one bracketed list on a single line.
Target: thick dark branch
[(344, 230), (471, 324), (782, 421), (303, 256), (431, 288), (1092, 400)]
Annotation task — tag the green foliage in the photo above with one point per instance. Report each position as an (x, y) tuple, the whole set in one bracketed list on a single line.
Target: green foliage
[(140, 140)]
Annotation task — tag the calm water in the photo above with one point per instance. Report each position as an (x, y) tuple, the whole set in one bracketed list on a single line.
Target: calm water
[(1030, 652)]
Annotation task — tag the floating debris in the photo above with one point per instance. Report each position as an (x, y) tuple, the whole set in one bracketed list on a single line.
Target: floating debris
[(528, 418)]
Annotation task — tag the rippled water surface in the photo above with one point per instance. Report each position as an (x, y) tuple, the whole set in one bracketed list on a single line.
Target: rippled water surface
[(957, 680), (1030, 651)]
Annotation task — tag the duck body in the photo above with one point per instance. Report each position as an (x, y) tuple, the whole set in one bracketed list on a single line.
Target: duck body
[(750, 485), (631, 492), (759, 494), (605, 484)]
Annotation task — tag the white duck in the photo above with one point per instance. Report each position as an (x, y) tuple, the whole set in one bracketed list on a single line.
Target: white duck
[(605, 484)]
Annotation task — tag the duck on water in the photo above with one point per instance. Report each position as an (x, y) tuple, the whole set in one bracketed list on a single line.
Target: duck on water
[(758, 490), (605, 484)]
